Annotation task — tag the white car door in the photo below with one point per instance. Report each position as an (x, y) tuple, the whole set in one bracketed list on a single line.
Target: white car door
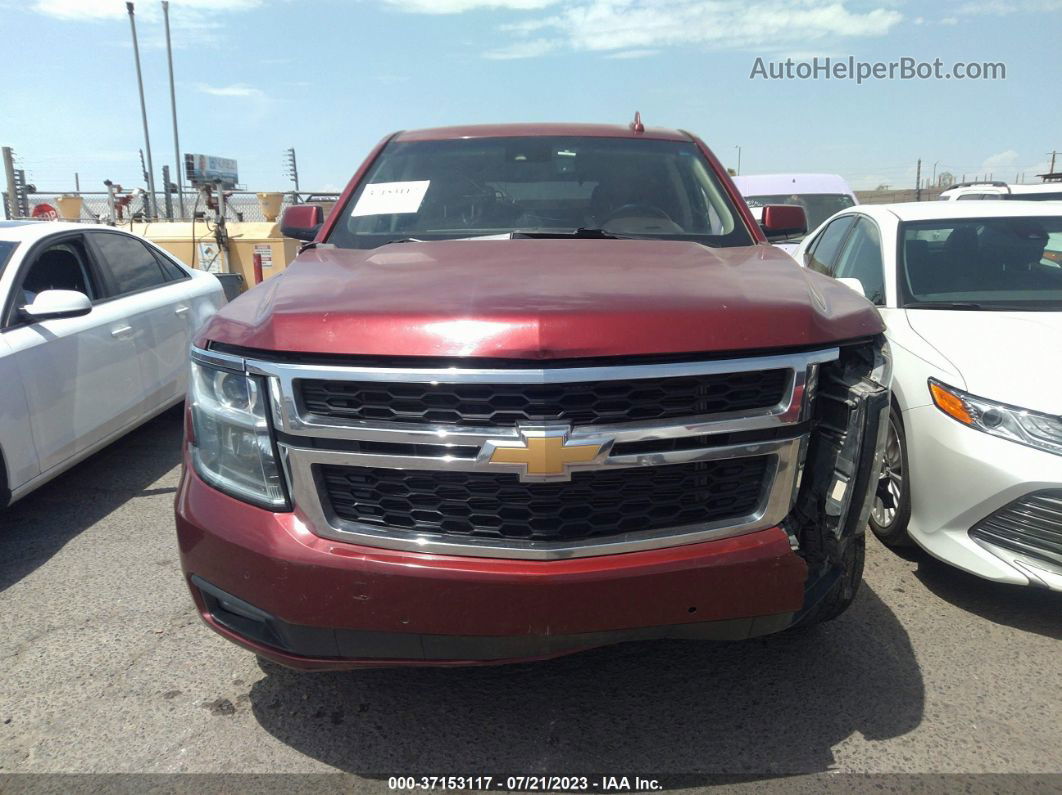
[(159, 297), (80, 375)]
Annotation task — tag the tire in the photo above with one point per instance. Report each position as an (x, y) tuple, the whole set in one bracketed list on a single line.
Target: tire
[(844, 592), (891, 511)]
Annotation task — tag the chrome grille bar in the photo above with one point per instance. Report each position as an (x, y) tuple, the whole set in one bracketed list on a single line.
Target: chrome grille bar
[(300, 460)]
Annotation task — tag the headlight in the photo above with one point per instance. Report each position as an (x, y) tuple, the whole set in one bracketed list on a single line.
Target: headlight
[(233, 450), (1031, 428)]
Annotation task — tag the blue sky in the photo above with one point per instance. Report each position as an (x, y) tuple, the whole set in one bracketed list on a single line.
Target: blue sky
[(331, 77)]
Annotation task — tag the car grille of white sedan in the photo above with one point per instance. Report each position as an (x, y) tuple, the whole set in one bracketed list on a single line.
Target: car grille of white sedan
[(1031, 525)]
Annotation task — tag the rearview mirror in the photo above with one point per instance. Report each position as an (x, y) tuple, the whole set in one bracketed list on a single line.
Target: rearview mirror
[(301, 221), (780, 221), (54, 304), (853, 284)]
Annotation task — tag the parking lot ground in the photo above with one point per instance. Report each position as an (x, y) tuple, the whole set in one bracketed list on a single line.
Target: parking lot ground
[(107, 669)]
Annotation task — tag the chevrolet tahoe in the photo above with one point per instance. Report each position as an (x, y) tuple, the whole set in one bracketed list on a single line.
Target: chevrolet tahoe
[(529, 390)]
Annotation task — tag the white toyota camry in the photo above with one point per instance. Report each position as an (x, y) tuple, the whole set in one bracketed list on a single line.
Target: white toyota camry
[(972, 296), (95, 328)]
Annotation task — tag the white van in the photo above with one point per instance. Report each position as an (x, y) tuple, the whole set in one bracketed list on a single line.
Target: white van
[(821, 195)]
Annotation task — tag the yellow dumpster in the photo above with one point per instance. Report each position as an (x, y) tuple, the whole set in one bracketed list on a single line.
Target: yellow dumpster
[(195, 245)]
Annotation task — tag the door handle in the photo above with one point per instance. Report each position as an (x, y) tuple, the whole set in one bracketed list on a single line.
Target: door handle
[(121, 331), (180, 310)]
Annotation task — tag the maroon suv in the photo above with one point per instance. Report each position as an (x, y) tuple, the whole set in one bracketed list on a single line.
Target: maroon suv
[(530, 389)]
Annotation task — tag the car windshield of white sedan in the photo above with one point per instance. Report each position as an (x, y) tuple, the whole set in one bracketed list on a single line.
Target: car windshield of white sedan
[(817, 206), (982, 263), (549, 186)]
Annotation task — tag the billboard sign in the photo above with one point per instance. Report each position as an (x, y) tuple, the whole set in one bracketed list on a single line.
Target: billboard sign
[(206, 169)]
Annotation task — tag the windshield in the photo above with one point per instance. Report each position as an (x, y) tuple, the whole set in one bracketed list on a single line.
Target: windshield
[(437, 190), (817, 206), (985, 263)]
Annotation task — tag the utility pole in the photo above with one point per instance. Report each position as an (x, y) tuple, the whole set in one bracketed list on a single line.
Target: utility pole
[(167, 202), (77, 183), (1052, 169), (9, 173), (739, 160), (173, 108), (918, 182), (933, 180), (293, 172), (152, 204)]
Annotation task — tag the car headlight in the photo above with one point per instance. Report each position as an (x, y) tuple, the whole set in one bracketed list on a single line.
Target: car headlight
[(1042, 431), (232, 449)]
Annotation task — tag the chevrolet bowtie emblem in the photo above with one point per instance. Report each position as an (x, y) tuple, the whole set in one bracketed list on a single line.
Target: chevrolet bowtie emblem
[(544, 453)]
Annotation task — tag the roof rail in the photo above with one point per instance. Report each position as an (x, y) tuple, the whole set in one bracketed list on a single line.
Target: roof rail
[(994, 183)]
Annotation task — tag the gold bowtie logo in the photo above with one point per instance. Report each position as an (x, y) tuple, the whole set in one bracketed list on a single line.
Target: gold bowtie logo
[(542, 455)]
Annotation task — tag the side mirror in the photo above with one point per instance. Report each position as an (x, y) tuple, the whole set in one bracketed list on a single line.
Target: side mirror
[(780, 221), (853, 284), (54, 304), (301, 221)]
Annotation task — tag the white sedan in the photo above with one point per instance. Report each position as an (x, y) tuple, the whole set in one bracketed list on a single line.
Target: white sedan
[(972, 296), (95, 327)]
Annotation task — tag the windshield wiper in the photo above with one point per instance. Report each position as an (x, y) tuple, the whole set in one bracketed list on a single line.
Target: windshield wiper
[(944, 305), (582, 233)]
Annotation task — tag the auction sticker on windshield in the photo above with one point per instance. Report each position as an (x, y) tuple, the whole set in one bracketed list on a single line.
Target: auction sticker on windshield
[(387, 198)]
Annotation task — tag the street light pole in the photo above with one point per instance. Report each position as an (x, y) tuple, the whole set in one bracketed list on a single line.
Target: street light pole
[(739, 161), (173, 108), (152, 204)]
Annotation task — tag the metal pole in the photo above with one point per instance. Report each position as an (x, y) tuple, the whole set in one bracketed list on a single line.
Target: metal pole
[(173, 108), (12, 194), (739, 160), (167, 202), (77, 183), (110, 203), (918, 182), (152, 203)]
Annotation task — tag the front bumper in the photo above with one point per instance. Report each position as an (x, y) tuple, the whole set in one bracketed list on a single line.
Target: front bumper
[(959, 476), (265, 581)]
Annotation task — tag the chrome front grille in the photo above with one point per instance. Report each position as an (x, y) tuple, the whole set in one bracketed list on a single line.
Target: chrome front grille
[(593, 505), (534, 486), (579, 403)]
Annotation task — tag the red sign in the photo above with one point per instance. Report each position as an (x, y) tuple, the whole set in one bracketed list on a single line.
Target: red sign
[(45, 212)]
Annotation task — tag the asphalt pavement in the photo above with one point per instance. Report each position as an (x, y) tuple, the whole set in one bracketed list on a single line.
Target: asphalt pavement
[(107, 669)]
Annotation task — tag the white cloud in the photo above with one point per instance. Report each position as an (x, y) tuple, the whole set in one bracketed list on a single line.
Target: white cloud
[(115, 9), (639, 25), (234, 90), (627, 54), (523, 49), (460, 6), (999, 161), (1004, 7)]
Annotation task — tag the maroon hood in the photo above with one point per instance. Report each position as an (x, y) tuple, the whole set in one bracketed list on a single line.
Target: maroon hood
[(542, 299)]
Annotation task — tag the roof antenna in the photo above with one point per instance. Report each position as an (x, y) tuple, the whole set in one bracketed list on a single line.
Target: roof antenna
[(636, 126)]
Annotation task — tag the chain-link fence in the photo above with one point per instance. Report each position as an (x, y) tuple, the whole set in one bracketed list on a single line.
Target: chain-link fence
[(239, 205)]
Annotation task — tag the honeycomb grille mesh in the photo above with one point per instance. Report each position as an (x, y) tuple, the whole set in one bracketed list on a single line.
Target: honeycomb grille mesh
[(593, 504), (599, 402)]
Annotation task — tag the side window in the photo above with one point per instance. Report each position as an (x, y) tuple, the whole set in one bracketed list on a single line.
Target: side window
[(973, 197), (862, 260), (171, 269), (823, 253), (61, 266), (131, 265)]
